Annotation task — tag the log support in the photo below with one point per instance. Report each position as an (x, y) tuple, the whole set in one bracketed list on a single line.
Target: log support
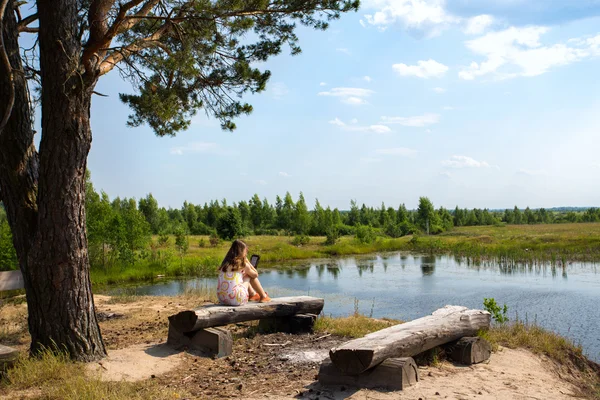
[(8, 356), (300, 323), (216, 342), (469, 350), (392, 374)]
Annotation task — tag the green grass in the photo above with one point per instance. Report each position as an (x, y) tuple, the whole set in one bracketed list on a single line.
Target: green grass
[(354, 326), (509, 245), (53, 376)]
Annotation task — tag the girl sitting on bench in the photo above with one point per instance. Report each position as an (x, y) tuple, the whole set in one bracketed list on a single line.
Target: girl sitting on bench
[(238, 279)]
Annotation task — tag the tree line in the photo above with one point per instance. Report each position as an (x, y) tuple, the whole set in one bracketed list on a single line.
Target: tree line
[(119, 229)]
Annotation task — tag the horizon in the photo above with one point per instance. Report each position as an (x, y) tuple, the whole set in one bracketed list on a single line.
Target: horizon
[(469, 103)]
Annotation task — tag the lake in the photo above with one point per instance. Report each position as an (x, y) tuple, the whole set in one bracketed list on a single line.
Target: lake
[(407, 286)]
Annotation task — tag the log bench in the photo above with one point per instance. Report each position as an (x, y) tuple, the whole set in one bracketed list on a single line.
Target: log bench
[(384, 358), (202, 328), (9, 280)]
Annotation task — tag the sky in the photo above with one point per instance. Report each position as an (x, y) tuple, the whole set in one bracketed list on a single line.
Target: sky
[(476, 103)]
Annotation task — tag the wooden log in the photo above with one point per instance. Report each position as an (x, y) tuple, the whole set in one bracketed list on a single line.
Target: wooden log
[(216, 342), (411, 338), (11, 280), (469, 350), (392, 374), (218, 315), (8, 356), (299, 323)]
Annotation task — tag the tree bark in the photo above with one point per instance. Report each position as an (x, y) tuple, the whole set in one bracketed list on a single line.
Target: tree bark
[(45, 198)]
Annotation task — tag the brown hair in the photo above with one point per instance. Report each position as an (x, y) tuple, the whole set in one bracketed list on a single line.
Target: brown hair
[(235, 259)]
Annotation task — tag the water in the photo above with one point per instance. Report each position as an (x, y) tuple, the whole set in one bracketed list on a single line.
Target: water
[(406, 287)]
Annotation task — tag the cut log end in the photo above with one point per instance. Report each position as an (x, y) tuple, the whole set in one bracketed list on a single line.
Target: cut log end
[(184, 321), (351, 362)]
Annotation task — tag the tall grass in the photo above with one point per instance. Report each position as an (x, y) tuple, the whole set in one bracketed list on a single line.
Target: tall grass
[(54, 376)]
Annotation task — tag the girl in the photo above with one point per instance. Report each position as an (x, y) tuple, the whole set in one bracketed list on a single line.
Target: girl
[(238, 279)]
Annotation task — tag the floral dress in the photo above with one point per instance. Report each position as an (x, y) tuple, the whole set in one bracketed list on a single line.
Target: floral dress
[(231, 290)]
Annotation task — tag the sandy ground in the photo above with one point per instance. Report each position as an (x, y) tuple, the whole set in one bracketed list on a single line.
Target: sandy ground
[(281, 366)]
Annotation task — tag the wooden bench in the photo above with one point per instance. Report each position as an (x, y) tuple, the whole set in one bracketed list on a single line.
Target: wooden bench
[(202, 328), (9, 280), (384, 358)]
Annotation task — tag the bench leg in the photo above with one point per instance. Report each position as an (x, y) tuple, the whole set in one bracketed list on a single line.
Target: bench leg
[(299, 323), (392, 374), (469, 350), (217, 342)]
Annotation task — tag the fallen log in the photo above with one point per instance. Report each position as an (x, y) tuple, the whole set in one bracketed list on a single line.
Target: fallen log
[(219, 315), (409, 339)]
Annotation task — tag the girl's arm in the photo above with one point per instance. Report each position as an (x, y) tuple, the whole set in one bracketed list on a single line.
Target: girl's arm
[(250, 271)]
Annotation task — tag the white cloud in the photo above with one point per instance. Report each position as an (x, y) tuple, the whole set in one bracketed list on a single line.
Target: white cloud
[(261, 182), (447, 108), (355, 101), (418, 15), (446, 174), (278, 90), (464, 162), (439, 90), (343, 50), (360, 128), (518, 52), (353, 96), (477, 25), (362, 23), (323, 84), (284, 174), (423, 69), (397, 151), (532, 172), (199, 147), (416, 121), (367, 78), (354, 121)]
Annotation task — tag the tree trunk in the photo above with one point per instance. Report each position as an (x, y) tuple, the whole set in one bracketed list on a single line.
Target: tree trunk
[(45, 199), (60, 302)]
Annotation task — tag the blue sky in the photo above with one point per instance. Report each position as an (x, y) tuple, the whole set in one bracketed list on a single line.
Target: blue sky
[(469, 102)]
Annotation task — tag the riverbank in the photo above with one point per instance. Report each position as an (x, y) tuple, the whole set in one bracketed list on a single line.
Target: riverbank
[(556, 244), (527, 361)]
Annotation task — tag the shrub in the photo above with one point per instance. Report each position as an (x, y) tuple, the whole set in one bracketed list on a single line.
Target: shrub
[(163, 239), (499, 314), (332, 236), (201, 243), (214, 239), (301, 240), (365, 234)]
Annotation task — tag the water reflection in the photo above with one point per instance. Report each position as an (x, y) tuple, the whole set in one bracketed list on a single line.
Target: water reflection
[(427, 265), (368, 266)]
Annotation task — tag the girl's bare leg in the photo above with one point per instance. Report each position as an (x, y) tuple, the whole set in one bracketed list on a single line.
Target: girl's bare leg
[(251, 291), (255, 283)]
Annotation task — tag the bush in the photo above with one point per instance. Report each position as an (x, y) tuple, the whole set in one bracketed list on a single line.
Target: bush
[(201, 243), (163, 239), (214, 239), (499, 314), (301, 240), (365, 234), (332, 236), (345, 229)]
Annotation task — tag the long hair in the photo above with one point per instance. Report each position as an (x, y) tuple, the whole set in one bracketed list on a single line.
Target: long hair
[(235, 259)]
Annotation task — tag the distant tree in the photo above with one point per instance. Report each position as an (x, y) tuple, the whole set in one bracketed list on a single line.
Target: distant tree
[(402, 215), (529, 216), (300, 216), (229, 225), (354, 215), (256, 212), (427, 218), (149, 207), (517, 216)]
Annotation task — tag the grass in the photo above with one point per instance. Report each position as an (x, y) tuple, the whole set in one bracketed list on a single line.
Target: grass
[(53, 376), (354, 326), (508, 245)]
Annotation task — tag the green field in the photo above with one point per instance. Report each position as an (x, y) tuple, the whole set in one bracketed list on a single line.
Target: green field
[(557, 244)]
